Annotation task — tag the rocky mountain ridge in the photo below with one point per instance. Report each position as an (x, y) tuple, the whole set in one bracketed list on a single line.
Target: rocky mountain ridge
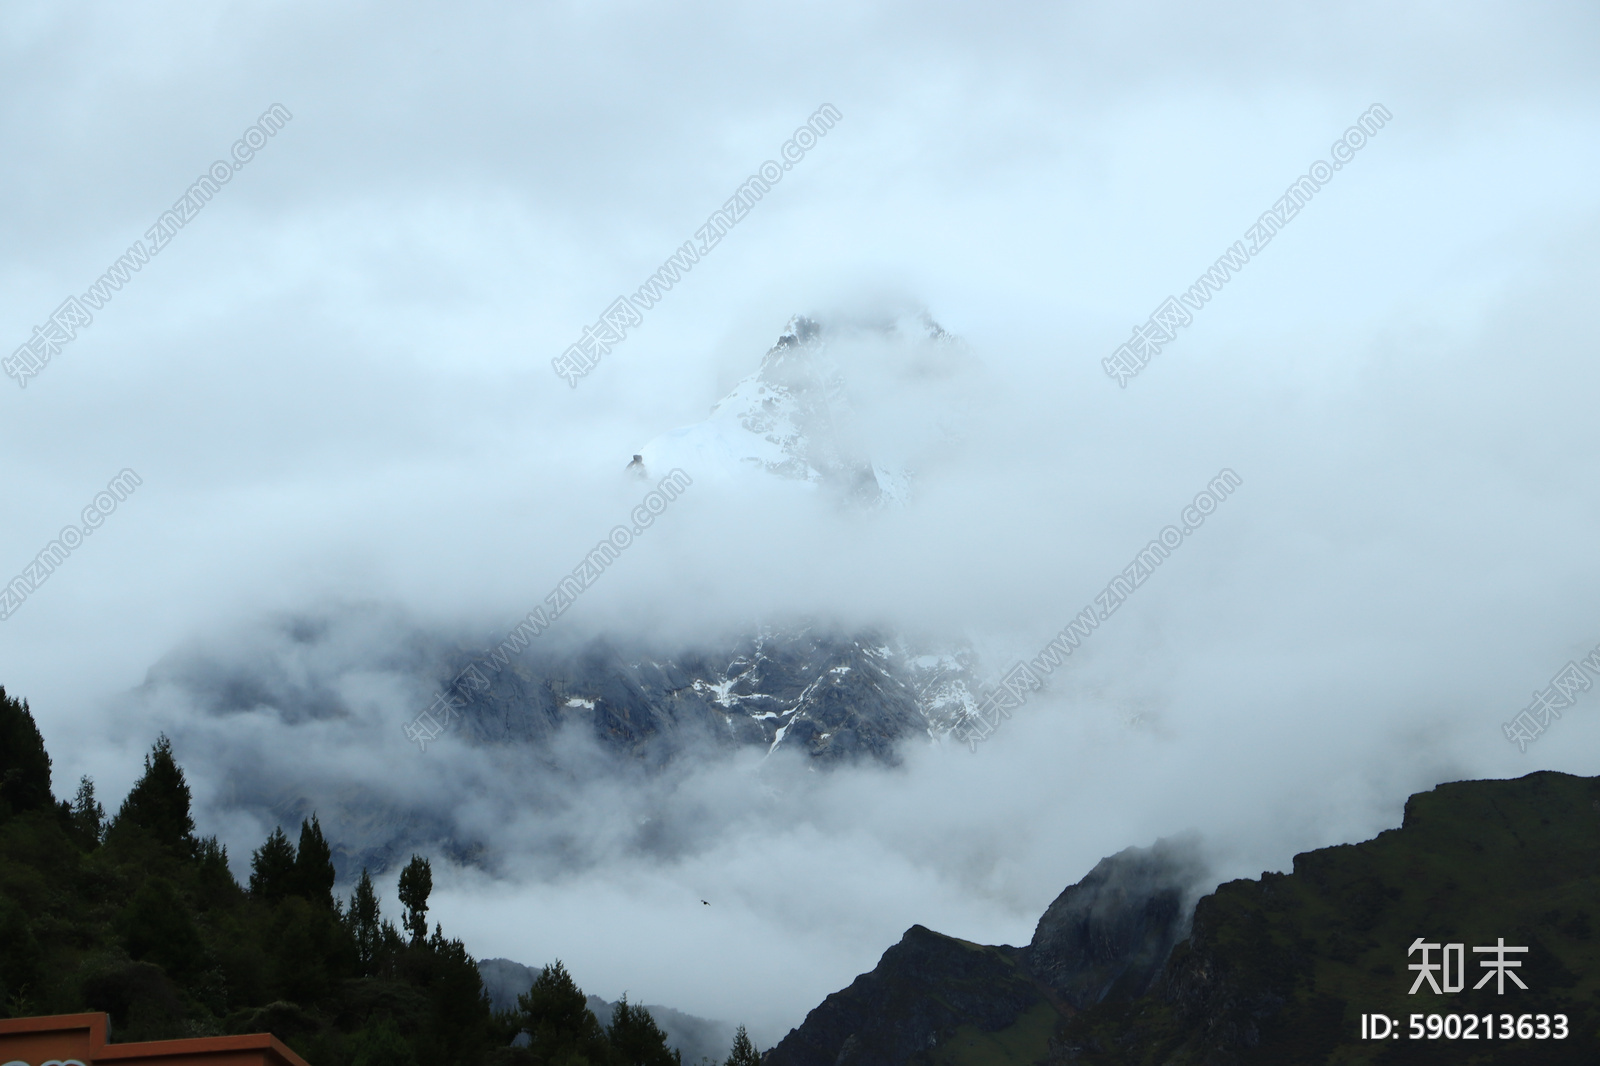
[(829, 696), (932, 996), (842, 407), (562, 713), (1278, 970)]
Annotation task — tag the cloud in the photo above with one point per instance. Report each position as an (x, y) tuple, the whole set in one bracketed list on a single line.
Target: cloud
[(335, 385)]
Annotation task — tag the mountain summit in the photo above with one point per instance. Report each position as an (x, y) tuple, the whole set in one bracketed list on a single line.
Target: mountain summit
[(810, 414)]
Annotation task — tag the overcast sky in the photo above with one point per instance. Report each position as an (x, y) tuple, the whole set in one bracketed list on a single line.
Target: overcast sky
[(334, 382)]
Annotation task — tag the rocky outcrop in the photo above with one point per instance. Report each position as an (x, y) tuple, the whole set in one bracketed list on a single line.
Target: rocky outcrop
[(923, 991), (1280, 970), (933, 998), (564, 712), (1276, 971), (829, 696), (1107, 936)]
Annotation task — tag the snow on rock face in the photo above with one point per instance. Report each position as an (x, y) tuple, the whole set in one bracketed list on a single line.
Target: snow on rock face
[(799, 417), (264, 702), (829, 695)]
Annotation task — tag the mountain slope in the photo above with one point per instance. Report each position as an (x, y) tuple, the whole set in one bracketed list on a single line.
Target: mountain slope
[(562, 714), (830, 696), (937, 999), (1273, 971), (1280, 970)]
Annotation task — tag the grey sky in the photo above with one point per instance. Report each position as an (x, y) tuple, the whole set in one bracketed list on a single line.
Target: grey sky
[(335, 383)]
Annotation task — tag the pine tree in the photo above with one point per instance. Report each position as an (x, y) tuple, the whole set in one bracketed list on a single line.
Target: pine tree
[(636, 1039), (24, 764), (159, 802), (744, 1052), (88, 816), (364, 922), (313, 865), (389, 939), (214, 883), (416, 883), (560, 1025), (455, 989), (272, 868)]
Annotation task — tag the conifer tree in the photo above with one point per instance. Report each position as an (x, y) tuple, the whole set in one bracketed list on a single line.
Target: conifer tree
[(24, 764), (272, 868), (88, 816), (416, 883), (159, 802), (636, 1039), (364, 922), (313, 865), (744, 1052), (560, 1025), (214, 881)]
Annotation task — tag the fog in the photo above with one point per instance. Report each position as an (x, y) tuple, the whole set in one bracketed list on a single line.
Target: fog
[(335, 386)]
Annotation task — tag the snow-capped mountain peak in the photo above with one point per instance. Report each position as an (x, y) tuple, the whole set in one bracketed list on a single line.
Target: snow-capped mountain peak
[(797, 417)]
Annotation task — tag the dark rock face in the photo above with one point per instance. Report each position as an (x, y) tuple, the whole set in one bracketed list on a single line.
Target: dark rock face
[(1279, 970), (832, 697), (563, 713), (828, 694), (923, 990), (1105, 938), (1274, 972)]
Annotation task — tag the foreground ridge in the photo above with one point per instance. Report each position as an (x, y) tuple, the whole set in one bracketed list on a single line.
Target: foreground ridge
[(1285, 969)]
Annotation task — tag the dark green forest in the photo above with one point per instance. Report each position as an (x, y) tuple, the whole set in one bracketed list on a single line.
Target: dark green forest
[(136, 916)]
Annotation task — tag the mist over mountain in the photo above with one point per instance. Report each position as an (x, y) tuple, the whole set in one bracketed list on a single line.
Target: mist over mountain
[(696, 1038), (614, 705), (819, 410), (563, 715), (887, 385), (760, 691), (933, 998)]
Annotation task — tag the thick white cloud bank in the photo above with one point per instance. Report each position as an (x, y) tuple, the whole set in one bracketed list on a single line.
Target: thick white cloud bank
[(335, 384)]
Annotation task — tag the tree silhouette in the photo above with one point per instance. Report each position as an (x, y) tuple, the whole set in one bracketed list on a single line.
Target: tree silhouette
[(636, 1039), (159, 802), (272, 868), (24, 764), (88, 816), (313, 865), (416, 882), (560, 1025), (744, 1053), (364, 919)]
